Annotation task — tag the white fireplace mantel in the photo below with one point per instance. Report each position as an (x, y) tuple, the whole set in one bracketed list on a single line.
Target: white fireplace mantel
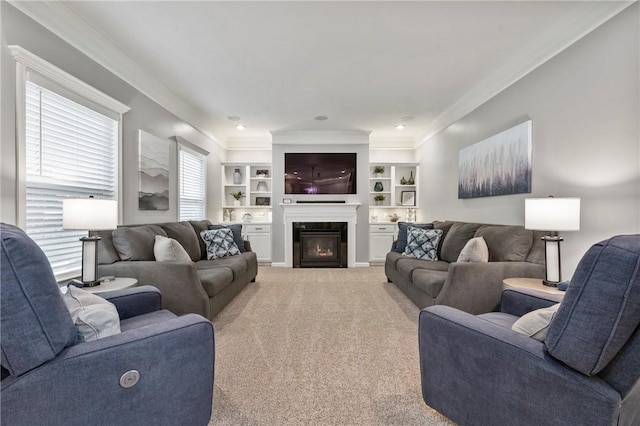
[(320, 212)]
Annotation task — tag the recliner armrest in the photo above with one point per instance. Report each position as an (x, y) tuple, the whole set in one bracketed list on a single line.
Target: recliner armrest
[(521, 301), (131, 302)]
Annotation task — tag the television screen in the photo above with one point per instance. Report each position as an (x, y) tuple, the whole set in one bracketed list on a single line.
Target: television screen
[(319, 173)]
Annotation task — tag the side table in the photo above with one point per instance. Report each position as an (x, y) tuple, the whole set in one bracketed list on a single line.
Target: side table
[(115, 284), (529, 283)]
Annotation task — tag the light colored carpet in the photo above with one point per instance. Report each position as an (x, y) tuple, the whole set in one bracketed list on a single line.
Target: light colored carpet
[(319, 347)]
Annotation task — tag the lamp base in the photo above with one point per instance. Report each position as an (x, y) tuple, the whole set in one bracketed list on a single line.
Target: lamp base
[(550, 283), (91, 284)]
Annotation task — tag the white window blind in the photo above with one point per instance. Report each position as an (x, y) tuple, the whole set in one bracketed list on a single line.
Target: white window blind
[(71, 151), (192, 178)]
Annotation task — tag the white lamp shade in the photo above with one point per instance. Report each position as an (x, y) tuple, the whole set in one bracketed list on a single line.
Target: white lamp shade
[(552, 214), (89, 214)]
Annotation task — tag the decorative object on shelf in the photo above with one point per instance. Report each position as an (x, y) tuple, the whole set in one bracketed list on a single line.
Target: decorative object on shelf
[(408, 198), (247, 217), (503, 162), (232, 215), (262, 186), (237, 196), (378, 199), (410, 181), (378, 187), (378, 171), (553, 215), (411, 215), (263, 201), (262, 173), (394, 217), (403, 181), (225, 215), (237, 177), (153, 172), (89, 214), (287, 201)]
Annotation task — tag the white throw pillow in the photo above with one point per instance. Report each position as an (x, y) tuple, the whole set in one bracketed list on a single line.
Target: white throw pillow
[(93, 316), (169, 250), (536, 323), (475, 250)]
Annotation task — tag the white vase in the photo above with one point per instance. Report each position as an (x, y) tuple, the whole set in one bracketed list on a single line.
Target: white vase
[(377, 175), (237, 177), (236, 203), (262, 186)]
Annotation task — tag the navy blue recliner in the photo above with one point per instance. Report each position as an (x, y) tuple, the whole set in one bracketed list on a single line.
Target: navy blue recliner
[(477, 371), (49, 379)]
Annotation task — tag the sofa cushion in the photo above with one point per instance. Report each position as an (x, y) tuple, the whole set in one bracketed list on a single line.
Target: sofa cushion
[(475, 250), (506, 243), (219, 243), (601, 308), (429, 281), (198, 227), (237, 264), (107, 253), (406, 265), (94, 317), (215, 279), (183, 233), (169, 250), (422, 243), (36, 325), (456, 238), (535, 324), (136, 242), (536, 253), (237, 234), (401, 240)]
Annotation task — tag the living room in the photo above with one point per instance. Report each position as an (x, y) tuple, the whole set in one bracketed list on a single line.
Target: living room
[(579, 89)]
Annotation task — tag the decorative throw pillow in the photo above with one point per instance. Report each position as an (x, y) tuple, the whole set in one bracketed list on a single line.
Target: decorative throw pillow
[(93, 316), (475, 250), (422, 243), (401, 241), (237, 234), (536, 323), (169, 250), (219, 243)]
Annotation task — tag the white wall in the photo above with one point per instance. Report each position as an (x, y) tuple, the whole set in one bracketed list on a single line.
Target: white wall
[(584, 104), (18, 29)]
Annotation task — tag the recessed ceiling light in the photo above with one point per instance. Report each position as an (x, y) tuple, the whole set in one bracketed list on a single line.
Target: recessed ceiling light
[(321, 118), (234, 118), (400, 126), (241, 127), (406, 118)]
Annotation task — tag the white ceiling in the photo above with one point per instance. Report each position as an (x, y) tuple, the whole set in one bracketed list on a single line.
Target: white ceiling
[(365, 65)]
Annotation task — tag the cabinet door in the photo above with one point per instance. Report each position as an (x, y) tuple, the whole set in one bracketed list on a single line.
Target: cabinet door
[(379, 246), (261, 245)]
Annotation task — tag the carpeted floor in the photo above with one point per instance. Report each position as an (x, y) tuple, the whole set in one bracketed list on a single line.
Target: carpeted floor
[(319, 347)]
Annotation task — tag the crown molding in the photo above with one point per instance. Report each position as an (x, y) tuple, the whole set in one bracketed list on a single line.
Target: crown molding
[(393, 143), (66, 24), (550, 44)]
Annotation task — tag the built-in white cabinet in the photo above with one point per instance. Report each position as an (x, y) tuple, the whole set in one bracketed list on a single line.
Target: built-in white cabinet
[(259, 235), (381, 236), (254, 182)]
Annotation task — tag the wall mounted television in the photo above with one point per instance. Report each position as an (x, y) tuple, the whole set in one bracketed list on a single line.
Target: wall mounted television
[(320, 173)]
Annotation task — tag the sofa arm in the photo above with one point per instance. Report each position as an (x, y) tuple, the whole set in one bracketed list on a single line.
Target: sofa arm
[(175, 360), (476, 287), (474, 369), (182, 292), (131, 302), (521, 301), (247, 245)]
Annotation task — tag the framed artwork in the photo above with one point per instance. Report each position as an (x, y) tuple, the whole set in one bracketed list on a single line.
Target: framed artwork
[(499, 165), (263, 201), (262, 173), (408, 198), (153, 172)]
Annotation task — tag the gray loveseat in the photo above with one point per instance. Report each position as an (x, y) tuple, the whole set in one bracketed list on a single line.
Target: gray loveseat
[(203, 286), (472, 287)]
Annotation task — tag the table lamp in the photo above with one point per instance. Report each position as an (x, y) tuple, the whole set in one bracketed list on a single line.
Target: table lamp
[(89, 214), (553, 215)]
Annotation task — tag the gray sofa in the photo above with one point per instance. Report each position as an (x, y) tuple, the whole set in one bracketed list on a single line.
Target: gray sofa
[(203, 286), (473, 287)]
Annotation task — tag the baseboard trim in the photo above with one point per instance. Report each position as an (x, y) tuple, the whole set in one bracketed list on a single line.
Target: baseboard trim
[(362, 264), (278, 264)]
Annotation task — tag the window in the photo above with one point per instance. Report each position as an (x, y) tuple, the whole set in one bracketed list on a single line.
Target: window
[(192, 178), (68, 144)]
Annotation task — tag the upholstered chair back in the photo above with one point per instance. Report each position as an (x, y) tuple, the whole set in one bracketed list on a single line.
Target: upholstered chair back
[(596, 328), (36, 325)]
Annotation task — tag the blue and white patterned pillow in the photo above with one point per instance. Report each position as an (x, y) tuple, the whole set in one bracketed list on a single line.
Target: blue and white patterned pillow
[(422, 243), (219, 243)]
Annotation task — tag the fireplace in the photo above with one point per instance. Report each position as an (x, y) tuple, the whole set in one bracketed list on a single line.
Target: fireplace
[(320, 244)]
